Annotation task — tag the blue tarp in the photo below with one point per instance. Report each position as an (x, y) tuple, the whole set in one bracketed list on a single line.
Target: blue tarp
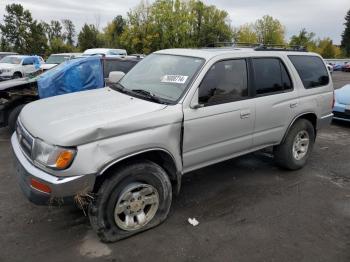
[(72, 76)]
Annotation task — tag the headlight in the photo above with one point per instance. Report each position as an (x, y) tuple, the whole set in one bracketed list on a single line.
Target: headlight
[(52, 156)]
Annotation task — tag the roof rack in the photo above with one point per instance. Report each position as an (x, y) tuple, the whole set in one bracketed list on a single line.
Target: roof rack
[(258, 46), (291, 48)]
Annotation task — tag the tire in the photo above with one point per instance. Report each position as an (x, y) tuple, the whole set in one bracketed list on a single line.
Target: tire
[(12, 119), (294, 159), (110, 227), (17, 75)]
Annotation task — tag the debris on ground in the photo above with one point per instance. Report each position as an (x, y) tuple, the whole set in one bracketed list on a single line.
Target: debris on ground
[(194, 222)]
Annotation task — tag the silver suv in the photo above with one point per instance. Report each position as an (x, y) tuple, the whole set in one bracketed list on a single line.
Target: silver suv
[(127, 146)]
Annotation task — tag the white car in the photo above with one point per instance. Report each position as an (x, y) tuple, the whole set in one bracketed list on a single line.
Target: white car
[(56, 59), (105, 52), (330, 68), (18, 66)]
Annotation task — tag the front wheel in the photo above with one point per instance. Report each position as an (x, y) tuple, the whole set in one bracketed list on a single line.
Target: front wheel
[(294, 152), (135, 198)]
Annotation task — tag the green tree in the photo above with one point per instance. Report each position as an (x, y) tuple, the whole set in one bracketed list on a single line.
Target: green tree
[(69, 31), (345, 43), (269, 30), (246, 34), (174, 23), (15, 29), (304, 39), (58, 46), (37, 40), (89, 37), (113, 31)]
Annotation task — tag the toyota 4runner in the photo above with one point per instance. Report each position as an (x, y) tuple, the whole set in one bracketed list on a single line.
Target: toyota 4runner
[(127, 146)]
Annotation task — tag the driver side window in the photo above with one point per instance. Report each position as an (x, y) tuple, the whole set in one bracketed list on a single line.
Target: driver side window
[(226, 81)]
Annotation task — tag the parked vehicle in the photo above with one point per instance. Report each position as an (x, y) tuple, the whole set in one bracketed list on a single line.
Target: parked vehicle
[(178, 110), (71, 76), (338, 67), (56, 59), (105, 51), (341, 108), (3, 54), (17, 66), (330, 68), (346, 67)]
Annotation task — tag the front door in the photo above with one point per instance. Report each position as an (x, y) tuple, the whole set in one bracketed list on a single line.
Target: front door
[(222, 123)]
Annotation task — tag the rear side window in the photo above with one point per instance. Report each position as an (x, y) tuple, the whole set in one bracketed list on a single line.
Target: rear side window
[(270, 76), (311, 70)]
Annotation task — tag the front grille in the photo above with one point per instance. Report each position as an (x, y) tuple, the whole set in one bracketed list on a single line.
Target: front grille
[(345, 115), (25, 140)]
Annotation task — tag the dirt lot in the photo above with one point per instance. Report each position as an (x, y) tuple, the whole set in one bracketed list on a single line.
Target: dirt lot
[(248, 210)]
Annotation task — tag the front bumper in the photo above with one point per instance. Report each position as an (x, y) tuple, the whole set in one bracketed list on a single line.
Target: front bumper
[(62, 188), (341, 112)]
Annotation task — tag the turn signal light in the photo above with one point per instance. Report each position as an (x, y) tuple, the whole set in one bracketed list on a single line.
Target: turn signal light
[(40, 186), (64, 159)]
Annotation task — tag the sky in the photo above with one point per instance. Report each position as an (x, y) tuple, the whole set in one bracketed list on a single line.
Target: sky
[(324, 17)]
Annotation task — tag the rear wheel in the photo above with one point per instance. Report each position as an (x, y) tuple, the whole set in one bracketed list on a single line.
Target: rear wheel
[(135, 198), (294, 152), (12, 119)]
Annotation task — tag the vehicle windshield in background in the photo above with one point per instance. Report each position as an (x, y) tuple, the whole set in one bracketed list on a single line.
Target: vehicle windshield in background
[(11, 60), (57, 59), (164, 76)]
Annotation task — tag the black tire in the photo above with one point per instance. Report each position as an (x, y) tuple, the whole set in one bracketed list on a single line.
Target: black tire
[(17, 75), (12, 119), (283, 153), (101, 209)]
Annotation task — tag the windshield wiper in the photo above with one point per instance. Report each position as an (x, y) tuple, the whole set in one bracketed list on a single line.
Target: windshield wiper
[(149, 95), (119, 87)]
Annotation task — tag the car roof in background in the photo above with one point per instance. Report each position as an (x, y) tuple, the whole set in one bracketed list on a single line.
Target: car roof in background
[(102, 50), (66, 54), (123, 58)]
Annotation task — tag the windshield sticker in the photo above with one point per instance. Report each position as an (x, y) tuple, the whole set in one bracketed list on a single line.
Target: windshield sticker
[(178, 79)]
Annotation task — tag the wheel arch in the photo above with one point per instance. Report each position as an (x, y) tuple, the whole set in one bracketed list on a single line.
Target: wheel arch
[(310, 116), (18, 72), (159, 156)]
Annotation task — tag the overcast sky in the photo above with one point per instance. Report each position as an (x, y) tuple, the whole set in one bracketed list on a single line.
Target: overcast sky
[(324, 17)]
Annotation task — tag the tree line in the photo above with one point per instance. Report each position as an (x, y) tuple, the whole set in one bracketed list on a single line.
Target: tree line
[(150, 27)]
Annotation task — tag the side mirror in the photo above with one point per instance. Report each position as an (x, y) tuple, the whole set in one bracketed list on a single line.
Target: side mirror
[(115, 76)]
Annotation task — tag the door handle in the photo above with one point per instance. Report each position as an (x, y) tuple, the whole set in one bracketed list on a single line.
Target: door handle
[(245, 114), (293, 105)]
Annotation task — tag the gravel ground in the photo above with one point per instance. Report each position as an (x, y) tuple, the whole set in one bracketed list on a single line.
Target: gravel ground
[(248, 210)]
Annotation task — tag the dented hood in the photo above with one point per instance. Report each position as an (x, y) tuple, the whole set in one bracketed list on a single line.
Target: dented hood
[(83, 117)]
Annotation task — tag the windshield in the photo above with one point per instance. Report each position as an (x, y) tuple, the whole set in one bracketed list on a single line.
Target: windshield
[(11, 60), (164, 76), (57, 59)]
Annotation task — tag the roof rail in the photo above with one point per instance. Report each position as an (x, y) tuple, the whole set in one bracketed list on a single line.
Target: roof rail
[(273, 47), (258, 46)]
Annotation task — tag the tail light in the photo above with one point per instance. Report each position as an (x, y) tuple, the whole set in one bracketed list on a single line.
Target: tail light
[(333, 103)]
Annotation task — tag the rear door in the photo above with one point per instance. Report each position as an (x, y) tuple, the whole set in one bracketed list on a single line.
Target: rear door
[(223, 122), (275, 97)]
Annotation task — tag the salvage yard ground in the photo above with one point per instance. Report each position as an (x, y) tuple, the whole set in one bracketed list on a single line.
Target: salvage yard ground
[(248, 210)]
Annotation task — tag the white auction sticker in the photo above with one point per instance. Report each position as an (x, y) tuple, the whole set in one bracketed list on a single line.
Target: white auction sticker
[(178, 79)]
